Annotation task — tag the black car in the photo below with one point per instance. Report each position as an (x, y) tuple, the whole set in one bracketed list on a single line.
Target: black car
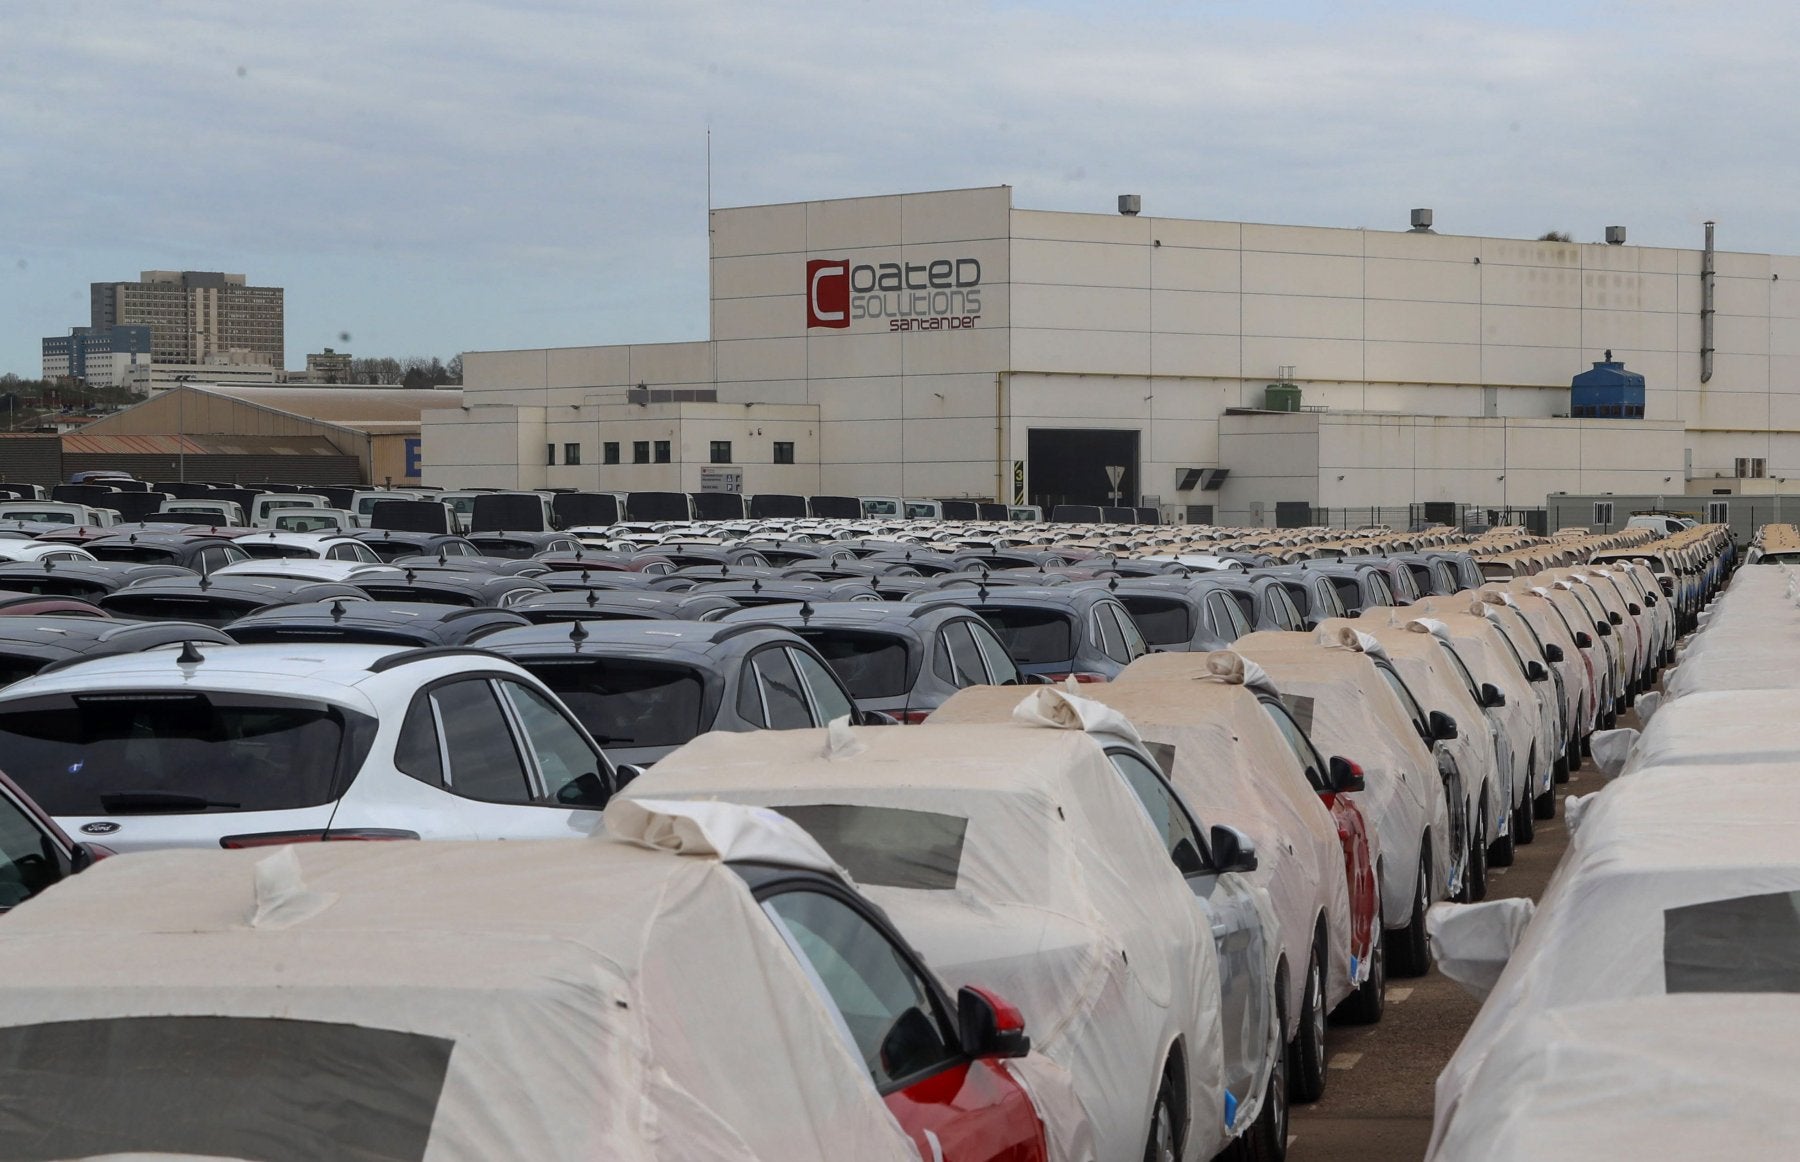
[(89, 580), (388, 544), (1183, 614), (217, 600), (571, 581), (399, 623), (28, 645), (1070, 631), (776, 592), (517, 544), (624, 605), (198, 552), (446, 586)]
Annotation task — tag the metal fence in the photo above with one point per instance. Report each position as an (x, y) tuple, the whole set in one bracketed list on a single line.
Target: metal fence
[(1413, 517)]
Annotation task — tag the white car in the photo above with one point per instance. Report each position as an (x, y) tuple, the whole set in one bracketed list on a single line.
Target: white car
[(17, 550), (240, 746), (55, 512), (226, 513), (264, 507), (313, 520), (308, 569), (277, 545)]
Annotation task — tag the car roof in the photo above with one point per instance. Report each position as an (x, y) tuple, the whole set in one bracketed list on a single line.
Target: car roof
[(691, 639)]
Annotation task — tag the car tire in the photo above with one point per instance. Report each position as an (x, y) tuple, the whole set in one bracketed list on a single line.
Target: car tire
[(1409, 953), (1500, 852), (1266, 1139), (1544, 806), (1572, 761), (1163, 1142), (1306, 1053), (1475, 882), (1524, 825), (1365, 1005)]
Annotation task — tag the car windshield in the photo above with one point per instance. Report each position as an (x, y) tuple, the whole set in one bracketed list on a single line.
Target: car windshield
[(141, 554), (132, 753), (1164, 621), (1033, 635), (872, 665), (218, 1087), (627, 702)]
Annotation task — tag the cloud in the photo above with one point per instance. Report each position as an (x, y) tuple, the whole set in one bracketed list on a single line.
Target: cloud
[(465, 174)]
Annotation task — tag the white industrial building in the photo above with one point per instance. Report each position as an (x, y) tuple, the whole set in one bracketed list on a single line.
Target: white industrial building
[(948, 344)]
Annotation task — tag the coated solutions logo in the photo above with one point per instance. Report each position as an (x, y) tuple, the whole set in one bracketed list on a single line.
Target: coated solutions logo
[(941, 295)]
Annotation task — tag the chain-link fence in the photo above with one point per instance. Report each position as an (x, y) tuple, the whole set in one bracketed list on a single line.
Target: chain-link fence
[(1414, 517)]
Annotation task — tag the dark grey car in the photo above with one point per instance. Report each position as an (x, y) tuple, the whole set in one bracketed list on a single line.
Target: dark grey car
[(1071, 631), (643, 688), (904, 659)]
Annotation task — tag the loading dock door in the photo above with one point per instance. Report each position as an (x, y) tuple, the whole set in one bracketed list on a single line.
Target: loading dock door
[(1068, 466)]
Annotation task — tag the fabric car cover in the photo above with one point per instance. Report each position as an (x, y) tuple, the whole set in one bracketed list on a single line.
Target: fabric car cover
[(582, 988), (1058, 897), (1357, 715), (1232, 766)]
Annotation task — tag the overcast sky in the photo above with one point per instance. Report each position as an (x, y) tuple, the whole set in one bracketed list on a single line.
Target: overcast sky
[(430, 176)]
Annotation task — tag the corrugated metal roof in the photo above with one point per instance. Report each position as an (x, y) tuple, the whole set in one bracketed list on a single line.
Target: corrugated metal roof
[(366, 408), (93, 444)]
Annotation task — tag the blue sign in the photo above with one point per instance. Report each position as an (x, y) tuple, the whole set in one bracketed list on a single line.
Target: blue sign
[(413, 457)]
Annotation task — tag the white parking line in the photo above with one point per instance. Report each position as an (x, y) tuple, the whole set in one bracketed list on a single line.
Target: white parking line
[(1395, 996), (1345, 1061), (1497, 871)]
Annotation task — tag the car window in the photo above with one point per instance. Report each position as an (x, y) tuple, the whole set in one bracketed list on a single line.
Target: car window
[(780, 705), (484, 762), (625, 702), (886, 1006), (960, 656), (1001, 671), (29, 862), (571, 770), (1298, 743), (1172, 824), (1349, 595), (1165, 620), (1128, 630), (1281, 608), (1106, 634), (418, 753), (1033, 635), (1228, 616), (827, 695), (872, 665), (1384, 593)]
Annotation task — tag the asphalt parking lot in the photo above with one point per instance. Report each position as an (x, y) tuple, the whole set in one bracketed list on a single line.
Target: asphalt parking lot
[(1377, 1104)]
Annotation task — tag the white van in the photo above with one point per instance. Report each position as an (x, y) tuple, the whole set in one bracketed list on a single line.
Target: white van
[(888, 506), (228, 513), (363, 502), (59, 512), (266, 504)]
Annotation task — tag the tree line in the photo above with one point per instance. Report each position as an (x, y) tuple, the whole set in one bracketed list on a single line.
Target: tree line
[(414, 371)]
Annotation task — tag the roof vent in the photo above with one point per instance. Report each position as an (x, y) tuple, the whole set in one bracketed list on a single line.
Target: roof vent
[(1130, 204), (1421, 221), (1615, 235)]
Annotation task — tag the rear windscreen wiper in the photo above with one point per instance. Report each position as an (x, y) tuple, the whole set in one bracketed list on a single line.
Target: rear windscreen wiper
[(127, 801)]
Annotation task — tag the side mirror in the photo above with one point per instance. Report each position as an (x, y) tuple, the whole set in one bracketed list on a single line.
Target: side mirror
[(1553, 653), (1536, 672), (1650, 600), (1604, 629), (587, 790), (1615, 617), (874, 718), (1232, 850), (1035, 680), (1633, 608), (627, 773), (1443, 728), (1492, 697), (1345, 775), (81, 857), (1582, 640), (1472, 942), (988, 1026)]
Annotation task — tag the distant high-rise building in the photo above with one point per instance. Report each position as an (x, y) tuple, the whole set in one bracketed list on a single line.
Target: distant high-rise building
[(328, 366), (116, 356), (196, 316)]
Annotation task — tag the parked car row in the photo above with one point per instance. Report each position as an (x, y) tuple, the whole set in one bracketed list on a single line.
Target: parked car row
[(1641, 1007), (1147, 888)]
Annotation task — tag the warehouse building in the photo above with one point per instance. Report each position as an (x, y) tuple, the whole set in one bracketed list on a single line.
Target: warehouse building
[(949, 344)]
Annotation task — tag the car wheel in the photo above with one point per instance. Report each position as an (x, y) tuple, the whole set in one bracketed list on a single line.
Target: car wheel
[(1163, 1144), (1409, 954), (1572, 762), (1544, 806), (1500, 852), (1475, 882), (1306, 1054), (1369, 1001), (1266, 1139), (1524, 824)]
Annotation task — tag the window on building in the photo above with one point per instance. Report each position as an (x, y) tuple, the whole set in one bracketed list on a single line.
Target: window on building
[(784, 451), (549, 453), (571, 453), (662, 451), (640, 451), (1718, 512), (721, 451), (609, 452), (1602, 515)]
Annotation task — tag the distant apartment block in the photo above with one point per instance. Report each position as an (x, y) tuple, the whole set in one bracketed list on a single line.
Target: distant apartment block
[(114, 356), (328, 366), (196, 316)]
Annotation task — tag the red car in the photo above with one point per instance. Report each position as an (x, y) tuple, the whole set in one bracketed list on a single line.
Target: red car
[(34, 852)]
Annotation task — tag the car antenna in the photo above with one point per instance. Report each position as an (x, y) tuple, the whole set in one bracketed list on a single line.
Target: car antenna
[(132, 539), (337, 609), (806, 612), (1113, 585), (756, 585), (410, 575), (443, 558), (981, 591), (189, 656), (577, 634)]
